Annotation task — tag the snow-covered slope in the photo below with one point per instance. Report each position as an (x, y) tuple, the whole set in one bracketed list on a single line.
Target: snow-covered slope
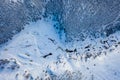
[(37, 53)]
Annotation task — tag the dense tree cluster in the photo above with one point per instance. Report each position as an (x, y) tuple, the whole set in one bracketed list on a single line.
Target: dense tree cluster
[(15, 15)]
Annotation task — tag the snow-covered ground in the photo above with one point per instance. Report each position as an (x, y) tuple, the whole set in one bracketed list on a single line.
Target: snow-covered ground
[(37, 53)]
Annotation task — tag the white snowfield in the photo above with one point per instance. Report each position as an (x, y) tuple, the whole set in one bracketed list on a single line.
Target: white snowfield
[(37, 53)]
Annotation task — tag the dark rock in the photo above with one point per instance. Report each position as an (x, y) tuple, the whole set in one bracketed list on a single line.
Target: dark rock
[(47, 55)]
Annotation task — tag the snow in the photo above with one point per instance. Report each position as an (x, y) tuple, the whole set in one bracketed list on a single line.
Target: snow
[(16, 1), (31, 49)]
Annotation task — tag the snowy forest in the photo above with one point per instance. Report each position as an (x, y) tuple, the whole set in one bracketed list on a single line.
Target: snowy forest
[(59, 39)]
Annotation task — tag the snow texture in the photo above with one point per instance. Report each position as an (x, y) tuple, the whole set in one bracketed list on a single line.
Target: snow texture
[(37, 53)]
